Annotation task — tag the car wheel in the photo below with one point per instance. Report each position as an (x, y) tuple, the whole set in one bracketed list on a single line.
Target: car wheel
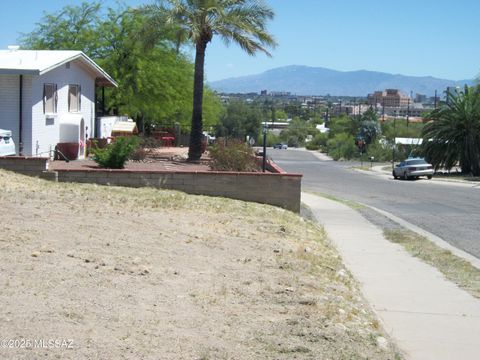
[(429, 177), (394, 175)]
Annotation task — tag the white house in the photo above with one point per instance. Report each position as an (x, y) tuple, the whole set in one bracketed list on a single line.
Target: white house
[(48, 97)]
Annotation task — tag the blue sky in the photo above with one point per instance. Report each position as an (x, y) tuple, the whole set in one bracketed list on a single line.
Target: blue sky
[(411, 37)]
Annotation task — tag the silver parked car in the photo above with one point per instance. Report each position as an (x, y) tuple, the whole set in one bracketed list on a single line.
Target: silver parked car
[(413, 169)]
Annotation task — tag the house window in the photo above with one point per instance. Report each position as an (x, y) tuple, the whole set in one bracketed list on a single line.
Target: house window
[(50, 98), (74, 98)]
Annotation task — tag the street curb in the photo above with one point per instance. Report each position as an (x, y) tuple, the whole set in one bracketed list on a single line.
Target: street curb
[(318, 155), (427, 315), (433, 238), (377, 169)]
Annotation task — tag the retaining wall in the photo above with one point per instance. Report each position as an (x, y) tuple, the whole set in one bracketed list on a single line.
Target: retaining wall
[(278, 189), (33, 166), (281, 190)]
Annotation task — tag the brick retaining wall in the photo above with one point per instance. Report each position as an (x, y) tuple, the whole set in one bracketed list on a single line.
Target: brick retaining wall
[(281, 190), (33, 166)]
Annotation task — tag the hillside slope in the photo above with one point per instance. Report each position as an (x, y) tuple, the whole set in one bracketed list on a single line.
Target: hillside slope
[(148, 274)]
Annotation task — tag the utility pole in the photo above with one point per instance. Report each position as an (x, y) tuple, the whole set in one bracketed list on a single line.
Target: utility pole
[(264, 160), (408, 110), (435, 100), (383, 110), (394, 138)]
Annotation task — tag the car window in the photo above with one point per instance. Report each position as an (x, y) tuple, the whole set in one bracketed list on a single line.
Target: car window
[(416, 162)]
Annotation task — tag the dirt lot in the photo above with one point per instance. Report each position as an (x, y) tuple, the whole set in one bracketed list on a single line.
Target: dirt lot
[(116, 273)]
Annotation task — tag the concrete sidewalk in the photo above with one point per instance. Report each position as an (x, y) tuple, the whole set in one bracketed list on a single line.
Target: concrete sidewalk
[(428, 316)]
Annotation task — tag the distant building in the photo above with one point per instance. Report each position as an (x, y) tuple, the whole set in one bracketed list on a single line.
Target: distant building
[(349, 109), (416, 111), (388, 98), (420, 98), (225, 99), (322, 128), (263, 93), (375, 98), (280, 93)]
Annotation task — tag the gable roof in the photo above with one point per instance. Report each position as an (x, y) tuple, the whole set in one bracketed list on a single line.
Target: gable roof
[(39, 62)]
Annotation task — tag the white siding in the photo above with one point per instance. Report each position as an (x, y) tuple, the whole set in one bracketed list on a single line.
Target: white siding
[(27, 115), (9, 104), (40, 135), (46, 133), (10, 111)]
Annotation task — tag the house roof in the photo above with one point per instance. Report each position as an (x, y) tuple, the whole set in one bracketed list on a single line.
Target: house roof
[(39, 62), (408, 141), (125, 127)]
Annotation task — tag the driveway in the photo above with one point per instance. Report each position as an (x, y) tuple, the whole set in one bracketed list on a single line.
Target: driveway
[(447, 210)]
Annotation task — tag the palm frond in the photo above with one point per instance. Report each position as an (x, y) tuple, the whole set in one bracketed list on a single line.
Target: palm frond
[(453, 135)]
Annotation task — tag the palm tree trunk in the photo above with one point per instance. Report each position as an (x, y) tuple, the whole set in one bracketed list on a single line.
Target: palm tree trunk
[(196, 135)]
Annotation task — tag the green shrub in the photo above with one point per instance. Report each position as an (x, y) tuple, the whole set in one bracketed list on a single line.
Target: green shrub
[(312, 147), (399, 128), (379, 151), (320, 139), (234, 156), (319, 142), (272, 139), (293, 141), (342, 146), (117, 153)]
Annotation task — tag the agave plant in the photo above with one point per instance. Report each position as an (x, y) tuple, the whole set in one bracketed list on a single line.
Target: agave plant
[(453, 134)]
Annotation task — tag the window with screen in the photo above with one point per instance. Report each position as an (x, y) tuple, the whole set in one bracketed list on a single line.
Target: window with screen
[(74, 98), (49, 98)]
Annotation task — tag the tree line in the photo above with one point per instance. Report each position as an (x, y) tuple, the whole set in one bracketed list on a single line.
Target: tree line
[(143, 49), (154, 76)]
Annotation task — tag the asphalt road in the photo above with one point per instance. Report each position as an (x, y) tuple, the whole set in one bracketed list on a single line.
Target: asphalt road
[(449, 211)]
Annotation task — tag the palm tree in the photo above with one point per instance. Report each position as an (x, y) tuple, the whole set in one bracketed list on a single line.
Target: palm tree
[(239, 21), (453, 135)]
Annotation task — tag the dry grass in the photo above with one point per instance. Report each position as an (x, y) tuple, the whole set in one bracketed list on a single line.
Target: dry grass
[(363, 168), (148, 274), (352, 204), (454, 268)]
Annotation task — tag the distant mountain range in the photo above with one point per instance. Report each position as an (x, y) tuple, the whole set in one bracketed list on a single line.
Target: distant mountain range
[(305, 80)]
